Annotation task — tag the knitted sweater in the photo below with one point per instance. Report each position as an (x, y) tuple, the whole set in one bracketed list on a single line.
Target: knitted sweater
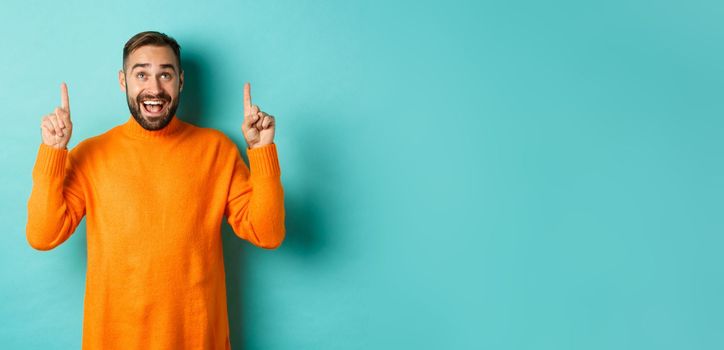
[(154, 202)]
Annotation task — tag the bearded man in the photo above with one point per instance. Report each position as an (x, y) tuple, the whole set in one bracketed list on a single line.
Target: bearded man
[(154, 191)]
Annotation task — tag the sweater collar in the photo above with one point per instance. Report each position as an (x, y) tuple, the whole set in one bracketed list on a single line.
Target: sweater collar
[(133, 129)]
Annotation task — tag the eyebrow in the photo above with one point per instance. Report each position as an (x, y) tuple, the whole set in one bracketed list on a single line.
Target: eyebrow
[(146, 65)]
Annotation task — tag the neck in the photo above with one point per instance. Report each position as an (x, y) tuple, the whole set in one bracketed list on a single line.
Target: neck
[(134, 129)]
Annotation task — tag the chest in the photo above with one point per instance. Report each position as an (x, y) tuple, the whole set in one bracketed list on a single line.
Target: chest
[(157, 179)]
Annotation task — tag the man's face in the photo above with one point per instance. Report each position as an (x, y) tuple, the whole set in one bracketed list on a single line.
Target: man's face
[(153, 83)]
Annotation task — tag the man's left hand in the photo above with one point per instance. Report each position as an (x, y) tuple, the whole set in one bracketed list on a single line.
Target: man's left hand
[(258, 126)]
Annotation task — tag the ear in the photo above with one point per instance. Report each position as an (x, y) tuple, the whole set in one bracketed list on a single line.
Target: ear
[(181, 82), (122, 80)]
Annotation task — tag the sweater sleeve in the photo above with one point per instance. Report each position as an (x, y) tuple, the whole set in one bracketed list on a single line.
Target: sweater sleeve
[(56, 203), (255, 205)]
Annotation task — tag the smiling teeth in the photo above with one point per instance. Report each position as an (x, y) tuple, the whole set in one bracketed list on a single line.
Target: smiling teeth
[(152, 102)]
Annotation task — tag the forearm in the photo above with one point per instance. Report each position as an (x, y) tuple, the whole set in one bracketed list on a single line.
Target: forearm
[(266, 213), (50, 218), (260, 218)]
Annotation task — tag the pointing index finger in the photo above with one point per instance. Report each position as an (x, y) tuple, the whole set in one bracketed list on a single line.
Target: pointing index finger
[(247, 97), (64, 100)]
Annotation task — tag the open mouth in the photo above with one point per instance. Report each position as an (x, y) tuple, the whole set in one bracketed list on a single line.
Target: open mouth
[(154, 107)]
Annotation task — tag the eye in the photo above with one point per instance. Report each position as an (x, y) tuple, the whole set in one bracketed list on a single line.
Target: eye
[(140, 75), (166, 76)]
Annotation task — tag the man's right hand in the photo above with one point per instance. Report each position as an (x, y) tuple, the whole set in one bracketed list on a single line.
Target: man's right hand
[(56, 127)]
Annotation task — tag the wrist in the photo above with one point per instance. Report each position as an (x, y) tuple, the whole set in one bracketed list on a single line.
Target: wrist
[(57, 146), (260, 145)]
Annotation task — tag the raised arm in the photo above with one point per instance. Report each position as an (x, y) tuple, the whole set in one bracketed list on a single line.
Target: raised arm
[(56, 203), (255, 206)]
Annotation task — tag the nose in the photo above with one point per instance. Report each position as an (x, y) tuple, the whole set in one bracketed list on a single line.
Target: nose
[(154, 86)]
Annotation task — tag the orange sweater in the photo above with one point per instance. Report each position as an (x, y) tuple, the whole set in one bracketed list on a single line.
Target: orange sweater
[(154, 202)]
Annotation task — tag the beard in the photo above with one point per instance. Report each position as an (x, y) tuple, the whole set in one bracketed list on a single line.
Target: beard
[(152, 123)]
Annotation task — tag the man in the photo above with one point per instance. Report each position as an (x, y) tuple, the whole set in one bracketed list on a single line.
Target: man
[(155, 190)]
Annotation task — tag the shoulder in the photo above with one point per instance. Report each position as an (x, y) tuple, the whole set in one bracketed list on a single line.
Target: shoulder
[(92, 143), (211, 136), (89, 150), (214, 144)]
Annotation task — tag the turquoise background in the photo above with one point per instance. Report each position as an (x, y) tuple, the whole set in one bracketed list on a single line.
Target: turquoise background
[(458, 175)]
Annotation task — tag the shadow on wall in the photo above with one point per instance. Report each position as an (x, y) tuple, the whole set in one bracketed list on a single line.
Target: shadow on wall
[(191, 106), (306, 206), (310, 205)]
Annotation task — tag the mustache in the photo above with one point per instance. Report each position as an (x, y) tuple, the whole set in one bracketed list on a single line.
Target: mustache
[(162, 96)]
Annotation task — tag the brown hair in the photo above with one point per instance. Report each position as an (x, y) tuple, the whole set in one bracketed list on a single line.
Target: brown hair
[(151, 38)]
